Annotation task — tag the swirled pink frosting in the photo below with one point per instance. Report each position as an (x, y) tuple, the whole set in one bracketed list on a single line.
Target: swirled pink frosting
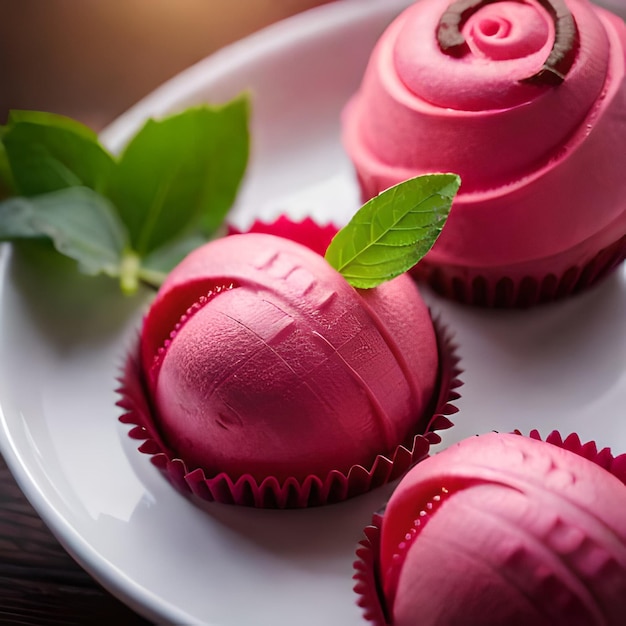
[(541, 165), (261, 359), (506, 530)]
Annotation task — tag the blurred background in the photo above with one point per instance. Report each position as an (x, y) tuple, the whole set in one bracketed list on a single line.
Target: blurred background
[(92, 59)]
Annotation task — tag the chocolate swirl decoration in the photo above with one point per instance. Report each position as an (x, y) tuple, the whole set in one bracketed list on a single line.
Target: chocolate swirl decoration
[(560, 59)]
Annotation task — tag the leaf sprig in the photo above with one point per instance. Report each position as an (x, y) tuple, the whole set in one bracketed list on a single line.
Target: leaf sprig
[(391, 232), (132, 217)]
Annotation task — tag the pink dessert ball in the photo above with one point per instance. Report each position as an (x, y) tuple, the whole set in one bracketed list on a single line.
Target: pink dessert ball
[(261, 360), (505, 530)]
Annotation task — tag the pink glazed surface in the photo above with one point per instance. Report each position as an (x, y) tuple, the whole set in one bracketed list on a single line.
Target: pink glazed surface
[(509, 527), (261, 359), (542, 166)]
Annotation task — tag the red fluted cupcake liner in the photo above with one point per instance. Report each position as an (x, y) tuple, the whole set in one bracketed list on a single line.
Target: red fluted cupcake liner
[(307, 232), (367, 581), (502, 288), (314, 490), (368, 584)]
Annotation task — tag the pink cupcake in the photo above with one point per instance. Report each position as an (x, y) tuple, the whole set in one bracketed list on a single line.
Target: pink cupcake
[(263, 378), (526, 101), (505, 530)]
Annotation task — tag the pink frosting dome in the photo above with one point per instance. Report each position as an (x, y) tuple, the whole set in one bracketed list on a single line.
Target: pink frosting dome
[(514, 528), (541, 163), (261, 359)]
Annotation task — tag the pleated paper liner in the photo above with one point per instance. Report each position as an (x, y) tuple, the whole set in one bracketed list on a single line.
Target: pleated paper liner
[(368, 584), (314, 490), (307, 232), (497, 289)]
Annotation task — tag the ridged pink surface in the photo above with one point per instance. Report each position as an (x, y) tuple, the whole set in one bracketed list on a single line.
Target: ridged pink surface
[(541, 165), (508, 529), (262, 360)]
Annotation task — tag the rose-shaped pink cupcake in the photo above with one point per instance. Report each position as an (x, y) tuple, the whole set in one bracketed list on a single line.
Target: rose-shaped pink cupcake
[(505, 530), (276, 383), (526, 101)]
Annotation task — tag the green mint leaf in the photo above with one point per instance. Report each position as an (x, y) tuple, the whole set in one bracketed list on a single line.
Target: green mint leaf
[(167, 257), (393, 231), (154, 268), (80, 223), (48, 152), (42, 118), (180, 173), (135, 217), (7, 186)]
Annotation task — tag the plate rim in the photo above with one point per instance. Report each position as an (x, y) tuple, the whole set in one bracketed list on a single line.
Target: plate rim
[(286, 32)]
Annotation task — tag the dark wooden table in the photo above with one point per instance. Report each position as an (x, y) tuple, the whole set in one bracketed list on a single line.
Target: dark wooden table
[(40, 584)]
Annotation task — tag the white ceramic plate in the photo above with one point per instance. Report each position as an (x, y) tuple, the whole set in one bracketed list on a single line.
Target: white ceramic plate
[(63, 340)]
